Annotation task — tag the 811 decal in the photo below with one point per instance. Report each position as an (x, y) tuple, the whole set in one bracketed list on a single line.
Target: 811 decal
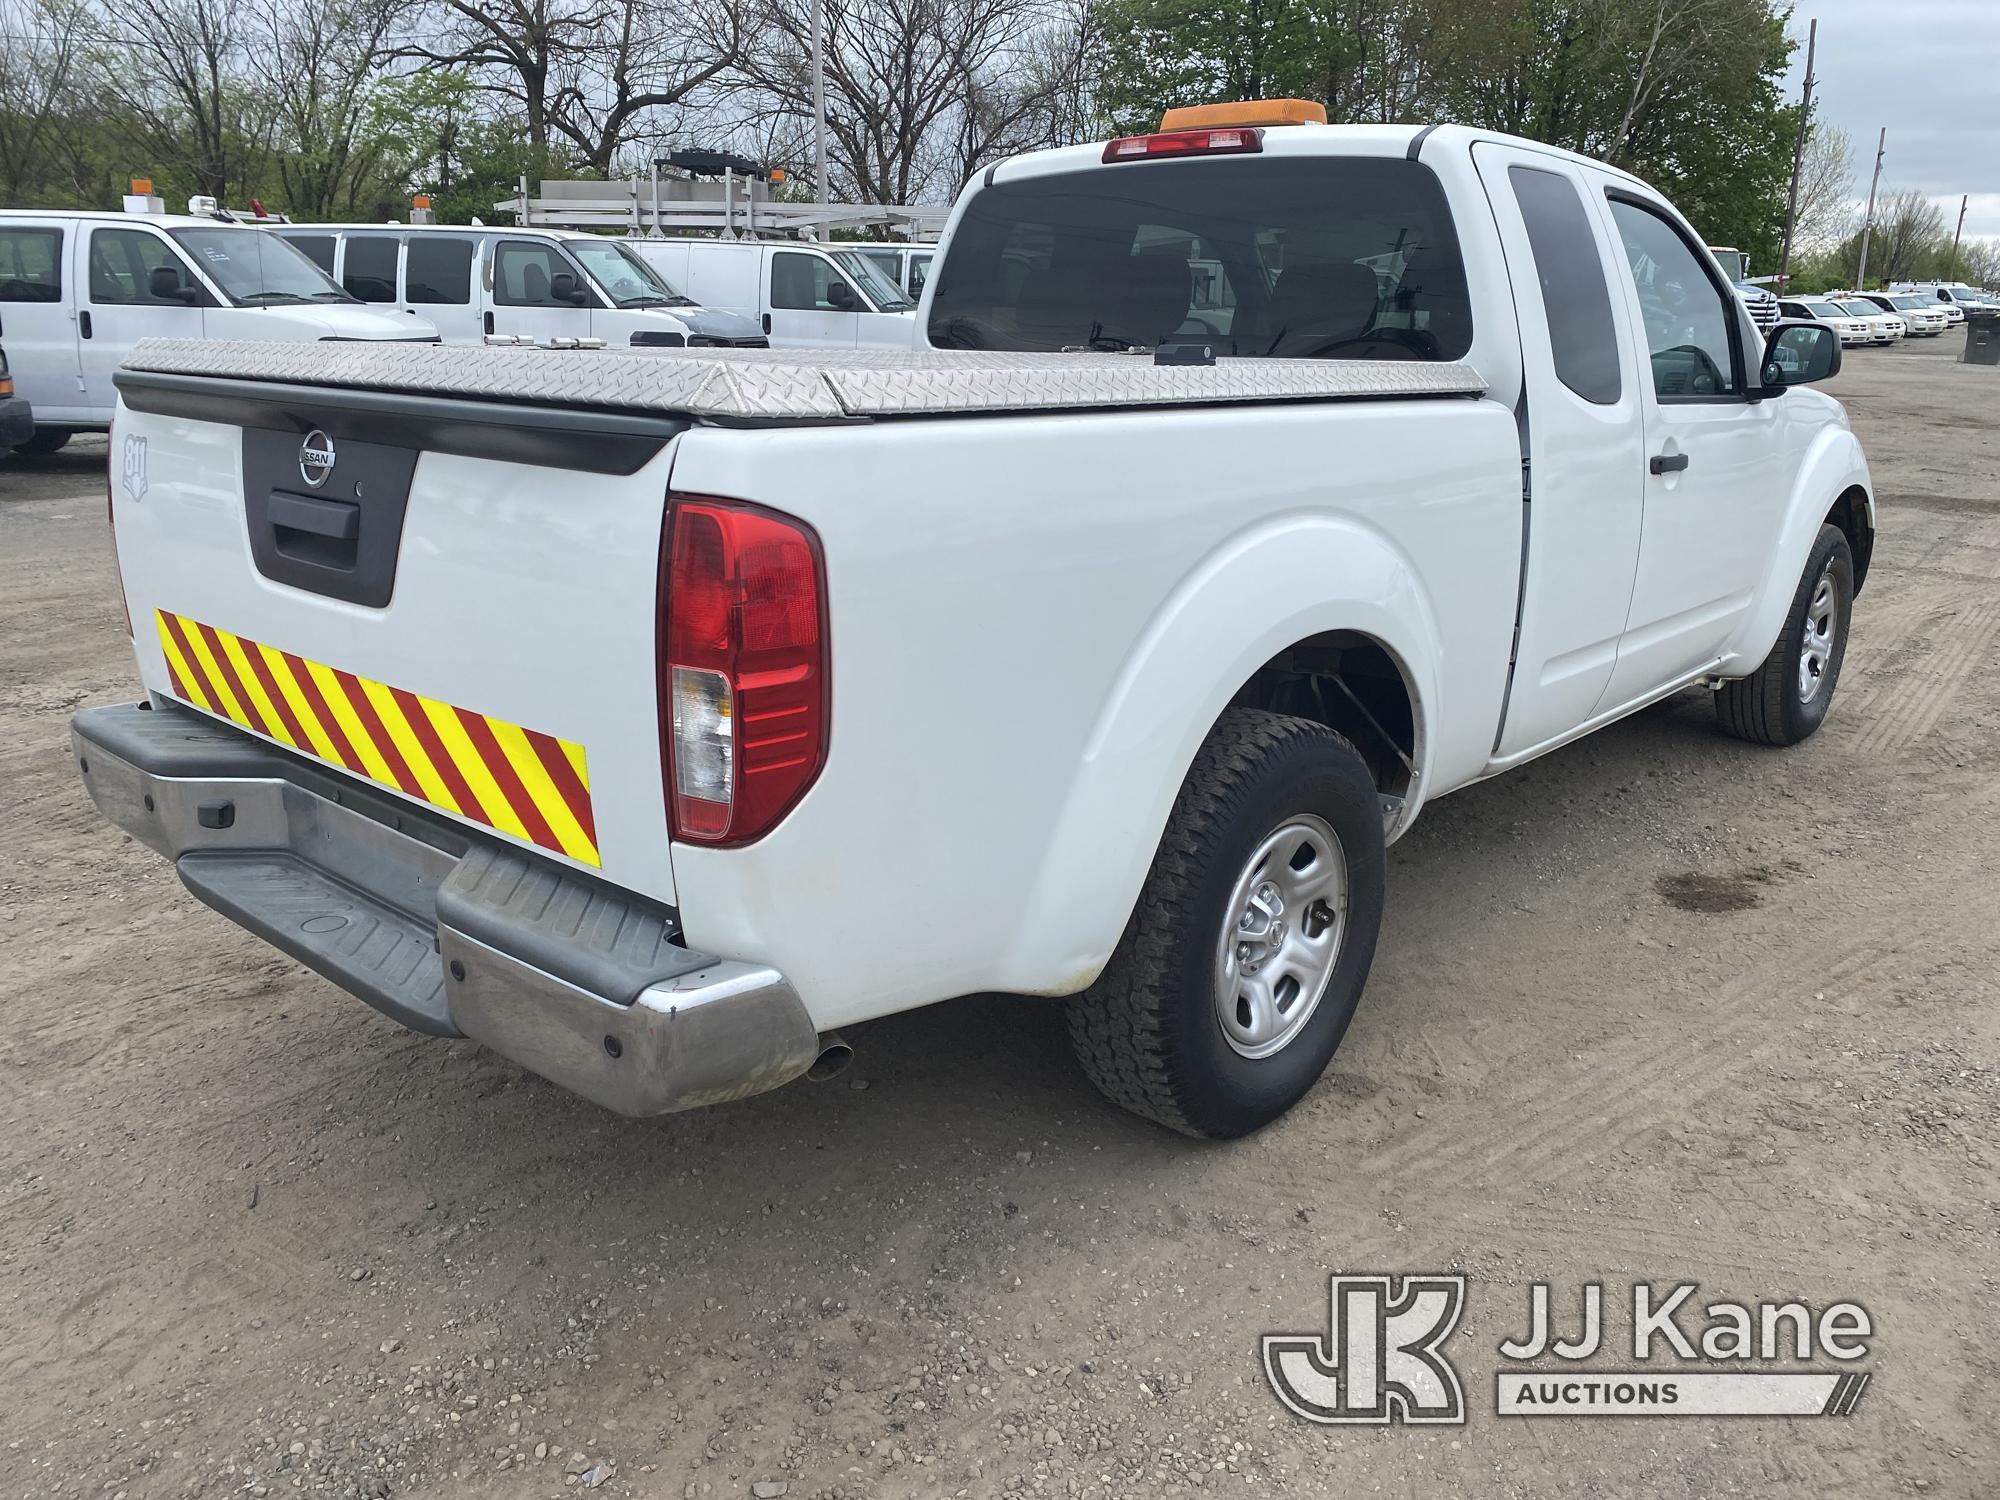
[(521, 782)]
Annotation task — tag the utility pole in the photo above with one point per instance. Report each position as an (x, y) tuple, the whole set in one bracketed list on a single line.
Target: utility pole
[(1952, 273), (1798, 158), (819, 103), (1868, 219)]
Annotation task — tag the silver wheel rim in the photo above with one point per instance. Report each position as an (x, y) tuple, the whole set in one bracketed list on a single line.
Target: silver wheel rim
[(1816, 647), (1281, 936)]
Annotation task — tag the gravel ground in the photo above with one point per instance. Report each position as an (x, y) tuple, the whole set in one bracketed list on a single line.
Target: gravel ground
[(1658, 1006)]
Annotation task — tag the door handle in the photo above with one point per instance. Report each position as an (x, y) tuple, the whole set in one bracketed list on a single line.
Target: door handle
[(1669, 463), (83, 324), (489, 322), (767, 323)]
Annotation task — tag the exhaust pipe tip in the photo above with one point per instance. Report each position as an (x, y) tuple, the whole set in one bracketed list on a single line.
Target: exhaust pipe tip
[(834, 1056)]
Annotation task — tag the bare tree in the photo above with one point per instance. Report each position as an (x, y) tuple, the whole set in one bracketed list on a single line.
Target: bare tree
[(41, 66), (584, 73), (921, 91), (1826, 188), (177, 67), (316, 61), (1909, 233)]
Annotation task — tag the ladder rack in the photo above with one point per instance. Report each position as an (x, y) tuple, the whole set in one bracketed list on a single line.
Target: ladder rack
[(736, 206)]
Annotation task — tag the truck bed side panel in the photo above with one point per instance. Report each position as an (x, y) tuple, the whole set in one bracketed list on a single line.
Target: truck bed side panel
[(1035, 620)]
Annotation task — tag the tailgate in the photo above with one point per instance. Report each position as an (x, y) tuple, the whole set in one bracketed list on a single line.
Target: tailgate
[(454, 599)]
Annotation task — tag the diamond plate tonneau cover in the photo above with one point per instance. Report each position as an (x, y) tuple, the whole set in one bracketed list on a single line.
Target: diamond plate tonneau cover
[(798, 384)]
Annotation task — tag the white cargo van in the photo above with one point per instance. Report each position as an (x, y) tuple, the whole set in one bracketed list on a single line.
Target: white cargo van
[(803, 296), (544, 283), (78, 290)]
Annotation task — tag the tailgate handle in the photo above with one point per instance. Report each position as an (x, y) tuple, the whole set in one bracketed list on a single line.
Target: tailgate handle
[(337, 520)]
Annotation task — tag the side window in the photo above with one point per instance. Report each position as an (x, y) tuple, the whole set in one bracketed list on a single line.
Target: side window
[(1574, 293), (920, 270), (122, 262), (30, 265), (370, 271), (438, 271), (1687, 320), (318, 248), (803, 281), (524, 273)]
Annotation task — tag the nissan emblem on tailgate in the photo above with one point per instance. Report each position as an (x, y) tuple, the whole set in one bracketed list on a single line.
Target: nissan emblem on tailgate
[(316, 458)]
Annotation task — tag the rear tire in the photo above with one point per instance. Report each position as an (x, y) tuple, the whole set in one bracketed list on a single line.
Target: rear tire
[(46, 440), (1786, 699), (1243, 962)]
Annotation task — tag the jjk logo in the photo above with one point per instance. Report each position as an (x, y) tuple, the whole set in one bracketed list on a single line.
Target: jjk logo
[(1381, 1361)]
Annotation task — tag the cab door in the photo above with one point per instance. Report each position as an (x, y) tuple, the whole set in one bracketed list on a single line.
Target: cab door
[(1584, 444), (808, 303), (1716, 470), (38, 324), (123, 301)]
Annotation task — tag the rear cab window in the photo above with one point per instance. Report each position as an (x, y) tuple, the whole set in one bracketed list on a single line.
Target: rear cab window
[(1297, 257)]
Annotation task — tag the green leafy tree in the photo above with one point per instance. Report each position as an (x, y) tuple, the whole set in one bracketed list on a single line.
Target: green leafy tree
[(437, 137)]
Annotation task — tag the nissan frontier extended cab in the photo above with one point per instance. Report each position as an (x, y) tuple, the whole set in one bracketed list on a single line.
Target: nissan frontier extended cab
[(649, 716)]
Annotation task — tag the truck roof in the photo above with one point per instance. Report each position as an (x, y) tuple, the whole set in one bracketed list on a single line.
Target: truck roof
[(797, 385), (1308, 140), (165, 221)]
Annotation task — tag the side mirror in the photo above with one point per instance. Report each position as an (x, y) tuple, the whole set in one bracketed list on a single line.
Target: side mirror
[(563, 287), (1799, 354), (165, 285), (840, 296)]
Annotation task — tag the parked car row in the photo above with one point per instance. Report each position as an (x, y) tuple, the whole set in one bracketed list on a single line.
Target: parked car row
[(1874, 317), (79, 289)]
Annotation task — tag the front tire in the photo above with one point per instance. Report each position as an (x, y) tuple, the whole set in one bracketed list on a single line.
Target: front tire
[(46, 440), (1243, 962), (1786, 699)]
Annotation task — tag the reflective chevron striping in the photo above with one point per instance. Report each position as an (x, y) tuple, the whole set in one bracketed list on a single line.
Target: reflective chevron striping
[(517, 781)]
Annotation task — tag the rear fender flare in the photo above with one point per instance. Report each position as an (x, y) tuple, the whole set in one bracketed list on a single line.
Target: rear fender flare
[(1257, 594)]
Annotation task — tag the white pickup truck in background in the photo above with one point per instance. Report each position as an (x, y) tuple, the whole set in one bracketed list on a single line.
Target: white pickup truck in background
[(649, 716)]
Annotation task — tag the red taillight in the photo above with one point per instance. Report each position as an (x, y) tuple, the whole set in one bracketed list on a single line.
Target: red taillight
[(111, 520), (743, 668), (1219, 142)]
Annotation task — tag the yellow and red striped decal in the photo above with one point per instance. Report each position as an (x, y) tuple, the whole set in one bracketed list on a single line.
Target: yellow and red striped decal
[(520, 782)]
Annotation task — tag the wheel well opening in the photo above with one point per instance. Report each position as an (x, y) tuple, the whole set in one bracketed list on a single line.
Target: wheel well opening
[(1351, 684), (1850, 514)]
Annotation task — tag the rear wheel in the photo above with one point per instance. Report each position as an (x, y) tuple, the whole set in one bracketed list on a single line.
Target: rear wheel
[(1242, 965), (1786, 699), (45, 441)]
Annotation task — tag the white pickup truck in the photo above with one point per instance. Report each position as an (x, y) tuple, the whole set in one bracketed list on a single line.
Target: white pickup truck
[(651, 715)]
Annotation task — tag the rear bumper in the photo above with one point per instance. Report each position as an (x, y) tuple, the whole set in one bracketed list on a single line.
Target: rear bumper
[(446, 932)]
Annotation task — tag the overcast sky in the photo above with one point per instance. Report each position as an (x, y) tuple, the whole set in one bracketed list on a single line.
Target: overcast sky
[(1930, 71)]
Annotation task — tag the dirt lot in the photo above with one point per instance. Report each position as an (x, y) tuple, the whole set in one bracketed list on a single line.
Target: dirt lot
[(1660, 1006)]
